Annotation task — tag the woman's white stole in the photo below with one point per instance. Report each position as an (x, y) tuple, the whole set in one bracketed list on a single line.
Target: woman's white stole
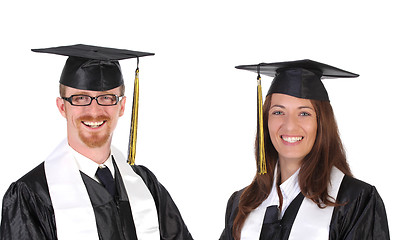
[(313, 222), (74, 214)]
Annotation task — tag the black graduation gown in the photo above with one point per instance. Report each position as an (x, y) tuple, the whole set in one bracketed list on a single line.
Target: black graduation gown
[(363, 217), (27, 211)]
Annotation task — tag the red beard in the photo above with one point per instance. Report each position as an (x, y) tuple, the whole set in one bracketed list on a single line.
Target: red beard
[(94, 139)]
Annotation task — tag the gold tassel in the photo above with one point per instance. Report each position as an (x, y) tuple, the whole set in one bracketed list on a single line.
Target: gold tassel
[(133, 124), (261, 136)]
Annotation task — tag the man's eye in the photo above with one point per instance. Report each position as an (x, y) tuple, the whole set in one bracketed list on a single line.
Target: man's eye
[(108, 98), (80, 98)]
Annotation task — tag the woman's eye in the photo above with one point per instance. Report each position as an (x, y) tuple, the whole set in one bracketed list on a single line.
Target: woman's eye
[(304, 114), (277, 113)]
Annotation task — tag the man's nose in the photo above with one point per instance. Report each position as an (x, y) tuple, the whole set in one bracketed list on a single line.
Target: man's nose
[(94, 107)]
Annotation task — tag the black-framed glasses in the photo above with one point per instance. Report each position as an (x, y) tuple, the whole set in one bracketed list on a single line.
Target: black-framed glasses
[(85, 100)]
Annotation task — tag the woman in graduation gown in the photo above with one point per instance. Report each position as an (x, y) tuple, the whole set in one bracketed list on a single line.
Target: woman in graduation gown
[(304, 188)]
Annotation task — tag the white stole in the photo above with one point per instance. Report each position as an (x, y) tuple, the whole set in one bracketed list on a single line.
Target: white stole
[(312, 222), (74, 214)]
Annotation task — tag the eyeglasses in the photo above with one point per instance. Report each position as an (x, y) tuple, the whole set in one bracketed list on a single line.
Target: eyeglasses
[(85, 100)]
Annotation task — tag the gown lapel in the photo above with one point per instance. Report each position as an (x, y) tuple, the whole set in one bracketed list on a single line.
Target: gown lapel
[(113, 214), (124, 207)]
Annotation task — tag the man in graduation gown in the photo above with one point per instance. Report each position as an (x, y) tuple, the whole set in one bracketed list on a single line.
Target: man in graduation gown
[(86, 189)]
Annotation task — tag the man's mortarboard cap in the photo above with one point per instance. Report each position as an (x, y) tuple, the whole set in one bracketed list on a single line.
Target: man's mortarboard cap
[(97, 69), (301, 79), (91, 67)]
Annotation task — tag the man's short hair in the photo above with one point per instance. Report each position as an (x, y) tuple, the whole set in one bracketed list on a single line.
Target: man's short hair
[(63, 87)]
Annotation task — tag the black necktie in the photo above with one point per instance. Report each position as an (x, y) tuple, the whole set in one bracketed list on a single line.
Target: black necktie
[(104, 175), (271, 215), (272, 227)]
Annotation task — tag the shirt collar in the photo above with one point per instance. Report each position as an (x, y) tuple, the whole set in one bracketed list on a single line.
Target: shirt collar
[(88, 166), (289, 189)]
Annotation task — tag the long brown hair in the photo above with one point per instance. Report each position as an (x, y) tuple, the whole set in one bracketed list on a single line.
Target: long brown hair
[(314, 175)]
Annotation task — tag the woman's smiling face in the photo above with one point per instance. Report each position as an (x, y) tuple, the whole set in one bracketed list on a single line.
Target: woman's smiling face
[(292, 126)]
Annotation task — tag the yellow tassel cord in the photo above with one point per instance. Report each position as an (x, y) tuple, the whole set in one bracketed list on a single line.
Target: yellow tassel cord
[(261, 138), (133, 124)]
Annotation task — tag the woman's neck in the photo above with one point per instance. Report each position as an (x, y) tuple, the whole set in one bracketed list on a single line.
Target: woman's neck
[(288, 167)]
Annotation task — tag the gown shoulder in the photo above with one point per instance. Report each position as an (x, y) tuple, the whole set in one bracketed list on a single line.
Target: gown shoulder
[(231, 213), (27, 212), (170, 220), (361, 212)]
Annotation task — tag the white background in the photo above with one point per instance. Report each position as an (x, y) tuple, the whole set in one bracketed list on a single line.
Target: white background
[(197, 119)]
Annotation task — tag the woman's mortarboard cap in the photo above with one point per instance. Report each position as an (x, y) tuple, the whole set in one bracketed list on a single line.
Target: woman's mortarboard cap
[(91, 67), (301, 79)]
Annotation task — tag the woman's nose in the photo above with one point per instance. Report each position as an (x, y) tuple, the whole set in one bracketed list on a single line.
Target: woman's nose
[(291, 122)]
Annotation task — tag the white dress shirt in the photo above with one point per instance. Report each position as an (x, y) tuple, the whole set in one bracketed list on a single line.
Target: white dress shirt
[(89, 167)]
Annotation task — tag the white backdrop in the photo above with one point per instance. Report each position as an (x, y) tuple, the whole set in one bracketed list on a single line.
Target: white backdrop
[(197, 119)]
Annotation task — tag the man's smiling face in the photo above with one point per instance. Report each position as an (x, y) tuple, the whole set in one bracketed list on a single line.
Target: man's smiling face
[(90, 126)]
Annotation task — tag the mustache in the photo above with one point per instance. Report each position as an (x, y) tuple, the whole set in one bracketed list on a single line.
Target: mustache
[(89, 118)]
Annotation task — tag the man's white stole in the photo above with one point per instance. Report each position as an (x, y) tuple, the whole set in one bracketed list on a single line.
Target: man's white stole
[(74, 214)]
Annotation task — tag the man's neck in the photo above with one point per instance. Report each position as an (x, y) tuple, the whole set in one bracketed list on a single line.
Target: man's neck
[(98, 154)]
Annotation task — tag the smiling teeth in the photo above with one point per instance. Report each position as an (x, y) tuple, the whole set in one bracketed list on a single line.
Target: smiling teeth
[(292, 139), (93, 124)]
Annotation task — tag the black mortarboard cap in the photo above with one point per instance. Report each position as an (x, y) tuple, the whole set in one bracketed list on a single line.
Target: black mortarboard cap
[(300, 79), (97, 69), (91, 67)]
